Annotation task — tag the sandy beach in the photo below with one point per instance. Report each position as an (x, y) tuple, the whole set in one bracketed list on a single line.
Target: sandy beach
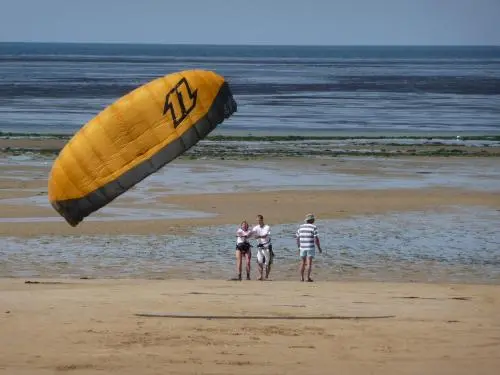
[(393, 146), (92, 327), (371, 310)]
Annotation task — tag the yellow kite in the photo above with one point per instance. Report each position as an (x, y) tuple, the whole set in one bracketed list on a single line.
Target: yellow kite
[(134, 137)]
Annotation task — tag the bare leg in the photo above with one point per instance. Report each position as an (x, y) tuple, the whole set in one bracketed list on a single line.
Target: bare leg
[(302, 268), (309, 268), (248, 259), (268, 270), (238, 264)]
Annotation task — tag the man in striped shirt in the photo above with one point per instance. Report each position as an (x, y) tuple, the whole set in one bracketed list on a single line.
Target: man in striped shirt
[(307, 241)]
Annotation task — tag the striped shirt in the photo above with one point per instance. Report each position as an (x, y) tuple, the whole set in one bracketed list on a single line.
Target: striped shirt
[(307, 233)]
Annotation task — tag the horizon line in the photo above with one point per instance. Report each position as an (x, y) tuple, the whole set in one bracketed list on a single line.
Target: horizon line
[(249, 44)]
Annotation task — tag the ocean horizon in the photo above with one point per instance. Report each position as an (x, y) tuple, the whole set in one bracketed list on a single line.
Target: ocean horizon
[(254, 44)]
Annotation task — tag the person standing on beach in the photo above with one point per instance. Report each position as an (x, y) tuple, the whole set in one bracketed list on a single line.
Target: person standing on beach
[(265, 255), (243, 249), (307, 241)]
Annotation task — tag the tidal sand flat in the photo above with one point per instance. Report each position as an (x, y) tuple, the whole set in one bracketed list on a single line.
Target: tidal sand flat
[(408, 282), (386, 219)]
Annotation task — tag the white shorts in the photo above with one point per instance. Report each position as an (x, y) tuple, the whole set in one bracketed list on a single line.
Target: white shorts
[(264, 255)]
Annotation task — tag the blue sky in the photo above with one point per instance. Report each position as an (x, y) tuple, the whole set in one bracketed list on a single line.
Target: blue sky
[(316, 22)]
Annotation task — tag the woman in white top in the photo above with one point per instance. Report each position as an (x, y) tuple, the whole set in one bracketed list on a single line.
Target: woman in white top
[(243, 249)]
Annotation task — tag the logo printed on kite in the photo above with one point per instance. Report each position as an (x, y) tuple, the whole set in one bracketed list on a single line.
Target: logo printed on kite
[(180, 101)]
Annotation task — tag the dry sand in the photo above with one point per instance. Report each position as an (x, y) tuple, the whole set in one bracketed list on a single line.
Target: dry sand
[(90, 327)]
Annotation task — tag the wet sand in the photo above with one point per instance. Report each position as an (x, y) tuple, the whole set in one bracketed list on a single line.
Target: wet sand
[(411, 219), (91, 327), (278, 207), (190, 194)]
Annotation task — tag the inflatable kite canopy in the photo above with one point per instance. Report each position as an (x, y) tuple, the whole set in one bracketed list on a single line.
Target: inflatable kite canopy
[(134, 137)]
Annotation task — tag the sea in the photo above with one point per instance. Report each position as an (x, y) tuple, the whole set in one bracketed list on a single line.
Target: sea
[(293, 90)]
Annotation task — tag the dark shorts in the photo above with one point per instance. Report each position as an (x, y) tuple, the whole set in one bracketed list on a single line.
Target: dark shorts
[(243, 247)]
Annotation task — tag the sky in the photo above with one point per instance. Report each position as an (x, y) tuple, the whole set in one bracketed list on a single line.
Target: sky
[(271, 22)]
